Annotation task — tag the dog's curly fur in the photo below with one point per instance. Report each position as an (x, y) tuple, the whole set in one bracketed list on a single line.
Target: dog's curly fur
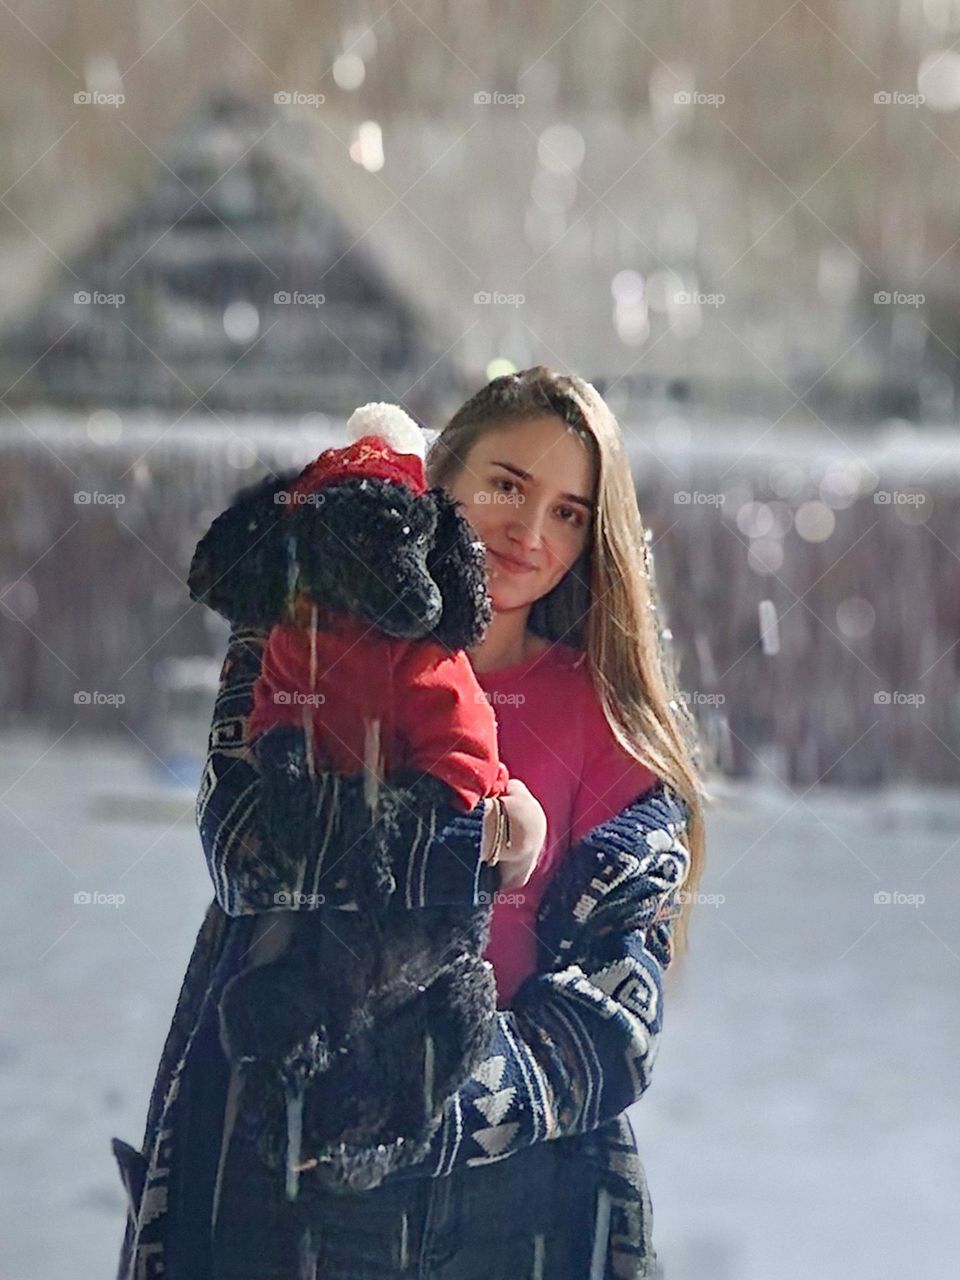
[(374, 1017)]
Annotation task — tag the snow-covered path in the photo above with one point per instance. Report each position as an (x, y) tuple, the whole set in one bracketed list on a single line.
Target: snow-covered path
[(804, 1119)]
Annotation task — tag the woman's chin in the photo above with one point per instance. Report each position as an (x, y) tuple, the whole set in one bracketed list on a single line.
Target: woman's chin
[(504, 600)]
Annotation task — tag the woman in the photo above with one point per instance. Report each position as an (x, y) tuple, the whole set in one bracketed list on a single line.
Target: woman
[(534, 1170)]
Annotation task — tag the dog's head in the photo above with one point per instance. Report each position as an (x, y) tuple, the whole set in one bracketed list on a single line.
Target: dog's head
[(409, 564)]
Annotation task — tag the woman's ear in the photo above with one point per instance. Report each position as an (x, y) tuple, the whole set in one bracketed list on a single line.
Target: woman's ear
[(239, 568), (457, 563)]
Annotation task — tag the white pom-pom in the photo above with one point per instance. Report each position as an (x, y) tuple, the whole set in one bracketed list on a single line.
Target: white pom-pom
[(389, 421)]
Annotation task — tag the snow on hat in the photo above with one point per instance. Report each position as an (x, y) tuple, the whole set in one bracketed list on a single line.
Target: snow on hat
[(387, 445)]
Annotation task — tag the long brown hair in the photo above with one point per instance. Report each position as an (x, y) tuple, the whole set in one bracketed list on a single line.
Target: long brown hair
[(607, 604)]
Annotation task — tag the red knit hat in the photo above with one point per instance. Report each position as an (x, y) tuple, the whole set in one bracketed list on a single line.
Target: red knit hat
[(387, 445)]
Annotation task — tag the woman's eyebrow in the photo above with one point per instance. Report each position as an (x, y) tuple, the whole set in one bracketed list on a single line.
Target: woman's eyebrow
[(525, 475)]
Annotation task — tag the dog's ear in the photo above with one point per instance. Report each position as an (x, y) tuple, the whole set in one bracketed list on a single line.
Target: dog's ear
[(457, 564), (239, 568)]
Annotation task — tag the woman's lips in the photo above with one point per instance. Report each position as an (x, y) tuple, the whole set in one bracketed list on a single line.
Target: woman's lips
[(514, 566)]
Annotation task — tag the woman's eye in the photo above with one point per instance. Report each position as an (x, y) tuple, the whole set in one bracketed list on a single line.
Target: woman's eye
[(500, 480)]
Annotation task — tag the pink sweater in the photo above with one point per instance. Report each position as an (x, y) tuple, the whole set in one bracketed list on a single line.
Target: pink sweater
[(554, 737)]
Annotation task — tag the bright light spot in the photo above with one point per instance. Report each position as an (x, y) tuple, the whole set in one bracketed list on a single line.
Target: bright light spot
[(104, 426), (349, 71), (632, 323), (840, 486), (498, 366), (815, 521), (627, 286), (765, 555), (241, 321), (855, 617), (367, 146), (755, 519), (788, 480), (561, 147), (939, 80), (769, 627), (241, 455)]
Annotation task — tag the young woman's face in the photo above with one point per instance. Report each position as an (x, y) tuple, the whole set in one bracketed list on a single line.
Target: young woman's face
[(528, 491)]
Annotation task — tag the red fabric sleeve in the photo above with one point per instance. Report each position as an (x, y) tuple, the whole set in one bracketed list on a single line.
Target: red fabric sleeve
[(447, 724)]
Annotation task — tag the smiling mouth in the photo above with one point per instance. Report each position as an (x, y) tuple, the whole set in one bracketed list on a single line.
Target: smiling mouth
[(514, 566)]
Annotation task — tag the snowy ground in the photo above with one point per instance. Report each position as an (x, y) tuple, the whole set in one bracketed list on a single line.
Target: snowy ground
[(803, 1120)]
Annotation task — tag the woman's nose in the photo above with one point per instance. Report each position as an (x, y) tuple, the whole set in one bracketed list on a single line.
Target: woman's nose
[(528, 532)]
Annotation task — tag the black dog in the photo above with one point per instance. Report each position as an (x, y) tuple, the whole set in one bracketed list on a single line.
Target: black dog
[(351, 1041)]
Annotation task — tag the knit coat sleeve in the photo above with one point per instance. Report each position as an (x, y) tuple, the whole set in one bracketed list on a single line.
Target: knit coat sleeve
[(578, 1044), (436, 848)]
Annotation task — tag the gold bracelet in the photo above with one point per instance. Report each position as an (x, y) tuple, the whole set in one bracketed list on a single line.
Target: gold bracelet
[(498, 833)]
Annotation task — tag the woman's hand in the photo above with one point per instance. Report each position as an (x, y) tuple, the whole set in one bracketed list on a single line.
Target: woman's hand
[(528, 833)]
